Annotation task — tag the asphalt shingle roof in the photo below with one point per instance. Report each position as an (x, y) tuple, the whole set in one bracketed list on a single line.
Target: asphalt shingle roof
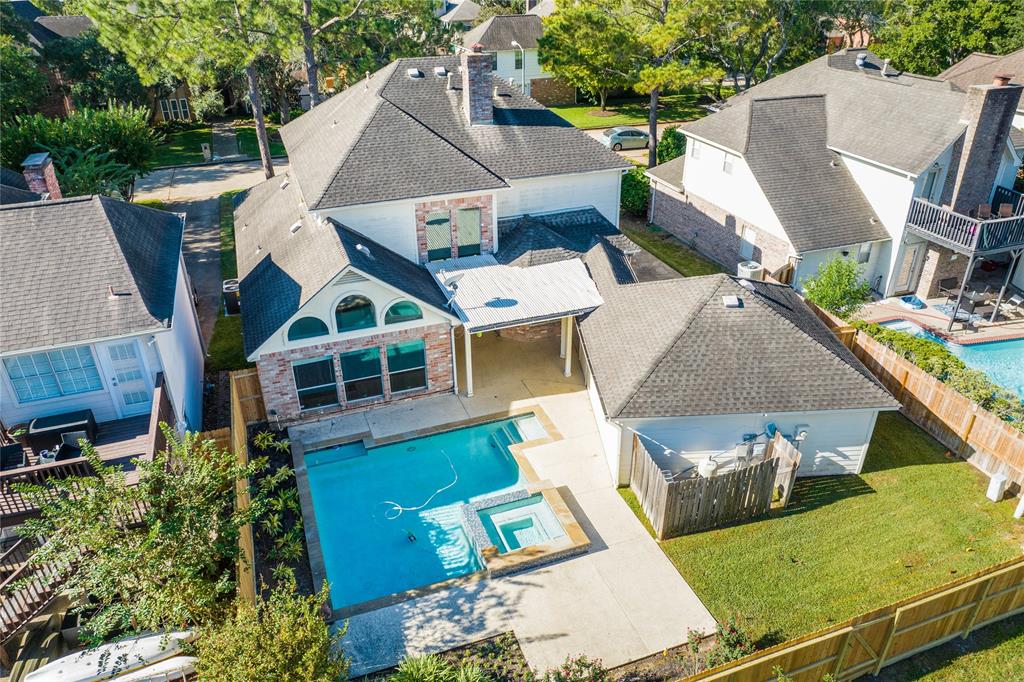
[(980, 69), (498, 32), (899, 120), (12, 178), (670, 348), (548, 238), (60, 258), (281, 270), (16, 195), (466, 12), (394, 137)]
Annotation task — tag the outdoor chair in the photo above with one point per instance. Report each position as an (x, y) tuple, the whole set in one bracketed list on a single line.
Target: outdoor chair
[(949, 286), (12, 456), (1005, 210), (984, 212)]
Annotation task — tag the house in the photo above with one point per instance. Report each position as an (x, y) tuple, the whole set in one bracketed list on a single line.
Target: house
[(14, 189), (356, 266), (511, 40), (847, 157), (97, 311), (979, 68), (461, 15)]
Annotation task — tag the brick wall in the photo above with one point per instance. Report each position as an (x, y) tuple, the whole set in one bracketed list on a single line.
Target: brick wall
[(712, 231), (278, 382), (532, 332), (486, 205), (938, 265), (550, 91)]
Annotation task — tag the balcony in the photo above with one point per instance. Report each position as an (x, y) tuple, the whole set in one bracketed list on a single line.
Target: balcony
[(970, 235)]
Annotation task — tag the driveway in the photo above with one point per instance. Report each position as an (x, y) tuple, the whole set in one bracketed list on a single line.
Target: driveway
[(637, 155), (201, 250), (204, 181)]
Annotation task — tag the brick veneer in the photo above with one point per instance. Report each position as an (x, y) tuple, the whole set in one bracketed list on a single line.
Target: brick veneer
[(712, 231), (938, 265), (278, 381), (486, 205), (532, 332), (549, 91)]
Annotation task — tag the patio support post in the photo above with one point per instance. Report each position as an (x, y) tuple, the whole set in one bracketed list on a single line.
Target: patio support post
[(469, 362), (561, 339), (1006, 281), (960, 294), (567, 325)]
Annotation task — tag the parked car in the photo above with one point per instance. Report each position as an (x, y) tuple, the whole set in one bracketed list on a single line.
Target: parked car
[(624, 137)]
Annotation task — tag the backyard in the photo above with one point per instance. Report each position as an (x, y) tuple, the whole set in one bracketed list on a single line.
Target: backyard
[(660, 243), (912, 520), (634, 111)]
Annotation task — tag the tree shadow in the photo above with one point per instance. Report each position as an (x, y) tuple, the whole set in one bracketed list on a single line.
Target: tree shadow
[(821, 491)]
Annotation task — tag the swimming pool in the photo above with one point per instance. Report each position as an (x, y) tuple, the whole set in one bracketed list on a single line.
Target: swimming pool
[(390, 517), (1002, 361)]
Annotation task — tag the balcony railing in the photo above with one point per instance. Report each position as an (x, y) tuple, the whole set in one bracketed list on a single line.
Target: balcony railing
[(966, 234)]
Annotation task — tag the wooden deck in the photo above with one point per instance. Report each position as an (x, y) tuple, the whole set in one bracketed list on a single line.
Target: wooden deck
[(117, 439)]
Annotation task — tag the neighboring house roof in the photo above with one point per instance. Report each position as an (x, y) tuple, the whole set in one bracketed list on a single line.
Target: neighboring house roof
[(979, 68), (543, 8), (898, 120), (16, 195), (466, 12), (280, 270), (671, 348), (537, 240), (808, 186), (12, 178), (62, 258), (394, 137), (66, 26), (42, 28), (498, 32), (670, 172), (1017, 138)]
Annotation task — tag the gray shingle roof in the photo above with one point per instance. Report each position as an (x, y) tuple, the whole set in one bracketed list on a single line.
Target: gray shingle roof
[(466, 12), (280, 270), (498, 32), (60, 257), (809, 187), (536, 240), (16, 195), (394, 137), (670, 172), (670, 348), (66, 26), (979, 69), (12, 178), (903, 121)]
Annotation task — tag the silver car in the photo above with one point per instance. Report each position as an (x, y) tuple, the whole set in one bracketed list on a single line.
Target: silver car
[(624, 137)]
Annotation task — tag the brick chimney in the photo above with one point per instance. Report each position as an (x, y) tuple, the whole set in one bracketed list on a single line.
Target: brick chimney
[(988, 113), (40, 176), (476, 85)]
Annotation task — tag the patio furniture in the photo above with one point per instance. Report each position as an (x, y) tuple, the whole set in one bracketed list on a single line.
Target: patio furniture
[(12, 456), (45, 433), (984, 212), (949, 286), (47, 457), (1005, 210)]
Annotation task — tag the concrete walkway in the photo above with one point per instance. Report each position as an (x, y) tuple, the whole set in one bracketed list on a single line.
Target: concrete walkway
[(225, 141), (620, 601), (202, 182), (201, 249)]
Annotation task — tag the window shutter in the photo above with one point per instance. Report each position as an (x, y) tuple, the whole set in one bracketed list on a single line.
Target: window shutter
[(439, 235), (467, 220)]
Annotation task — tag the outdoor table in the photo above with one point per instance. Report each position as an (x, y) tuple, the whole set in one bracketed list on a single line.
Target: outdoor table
[(45, 433)]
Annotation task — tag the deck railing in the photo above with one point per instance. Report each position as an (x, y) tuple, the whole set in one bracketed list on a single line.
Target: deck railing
[(963, 233), (1005, 195)]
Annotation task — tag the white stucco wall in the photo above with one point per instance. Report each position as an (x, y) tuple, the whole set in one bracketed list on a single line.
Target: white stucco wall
[(182, 354), (611, 434), (561, 192), (836, 443)]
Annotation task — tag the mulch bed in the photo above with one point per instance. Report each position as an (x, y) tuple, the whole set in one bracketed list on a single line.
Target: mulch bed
[(500, 657), (216, 401)]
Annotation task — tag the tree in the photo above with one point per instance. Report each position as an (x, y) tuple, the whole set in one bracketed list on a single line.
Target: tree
[(282, 637), (177, 567), (587, 49), (672, 144), (929, 36), (206, 104), (309, 33), (96, 74), (187, 38), (21, 81), (838, 287), (90, 171)]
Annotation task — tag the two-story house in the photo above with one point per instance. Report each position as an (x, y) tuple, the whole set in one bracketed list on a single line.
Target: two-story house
[(845, 156), (979, 68)]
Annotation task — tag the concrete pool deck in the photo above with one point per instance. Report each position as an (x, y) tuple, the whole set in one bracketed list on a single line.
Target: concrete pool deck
[(620, 601)]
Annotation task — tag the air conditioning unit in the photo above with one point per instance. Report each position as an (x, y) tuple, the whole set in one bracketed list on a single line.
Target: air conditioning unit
[(750, 269)]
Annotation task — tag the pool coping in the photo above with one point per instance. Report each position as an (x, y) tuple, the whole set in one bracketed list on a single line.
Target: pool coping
[(946, 336), (318, 570)]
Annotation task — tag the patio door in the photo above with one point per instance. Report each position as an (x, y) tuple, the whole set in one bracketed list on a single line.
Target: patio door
[(907, 268), (129, 382)]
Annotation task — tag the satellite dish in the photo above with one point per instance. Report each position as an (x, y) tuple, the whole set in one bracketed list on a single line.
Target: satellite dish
[(453, 281)]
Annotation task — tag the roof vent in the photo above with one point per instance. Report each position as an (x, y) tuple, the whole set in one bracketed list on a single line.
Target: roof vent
[(440, 71), (732, 302), (414, 73), (285, 183), (114, 295), (295, 226), (747, 284), (885, 67), (364, 250), (862, 59), (833, 163)]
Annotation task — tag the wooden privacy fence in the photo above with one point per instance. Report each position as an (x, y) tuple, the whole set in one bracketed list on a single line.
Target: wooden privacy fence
[(963, 426), (678, 507), (867, 643)]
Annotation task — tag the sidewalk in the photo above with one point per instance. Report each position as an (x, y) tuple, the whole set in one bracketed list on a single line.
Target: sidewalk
[(202, 182), (225, 141)]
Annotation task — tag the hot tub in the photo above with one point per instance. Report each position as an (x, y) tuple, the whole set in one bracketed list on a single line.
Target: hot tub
[(522, 523)]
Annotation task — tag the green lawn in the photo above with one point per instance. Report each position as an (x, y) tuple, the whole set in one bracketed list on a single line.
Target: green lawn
[(247, 145), (633, 111), (912, 520), (182, 147), (226, 351), (681, 258)]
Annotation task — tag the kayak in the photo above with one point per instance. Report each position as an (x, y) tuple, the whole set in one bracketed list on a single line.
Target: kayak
[(108, 661)]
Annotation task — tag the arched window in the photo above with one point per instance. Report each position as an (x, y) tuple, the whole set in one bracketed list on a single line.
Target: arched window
[(355, 312), (306, 328), (403, 311)]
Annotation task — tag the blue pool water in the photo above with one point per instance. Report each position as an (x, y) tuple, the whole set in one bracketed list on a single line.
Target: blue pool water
[(368, 502), (1002, 361)]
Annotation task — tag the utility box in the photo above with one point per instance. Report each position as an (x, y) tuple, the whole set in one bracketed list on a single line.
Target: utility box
[(229, 289), (207, 153)]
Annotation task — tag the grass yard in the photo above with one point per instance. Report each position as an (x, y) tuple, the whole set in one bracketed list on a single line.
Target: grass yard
[(633, 111), (677, 255), (914, 519), (247, 145), (225, 351), (183, 147)]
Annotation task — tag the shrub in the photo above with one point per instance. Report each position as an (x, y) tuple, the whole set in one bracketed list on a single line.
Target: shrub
[(293, 113), (429, 668), (579, 669), (636, 191), (731, 643), (671, 145), (470, 672), (838, 287), (206, 104)]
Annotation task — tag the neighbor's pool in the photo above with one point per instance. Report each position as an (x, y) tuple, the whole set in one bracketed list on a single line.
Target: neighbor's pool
[(1002, 361), (369, 503)]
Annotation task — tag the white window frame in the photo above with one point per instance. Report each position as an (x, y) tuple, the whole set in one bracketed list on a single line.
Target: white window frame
[(185, 113), (864, 252), (334, 373), (426, 377), (36, 361), (748, 242), (695, 146), (165, 110), (175, 113)]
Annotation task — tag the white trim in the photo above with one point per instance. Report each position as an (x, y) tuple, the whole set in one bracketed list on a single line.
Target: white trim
[(68, 344), (894, 169), (708, 142)]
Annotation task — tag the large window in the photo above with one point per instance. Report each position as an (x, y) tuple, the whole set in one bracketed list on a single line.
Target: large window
[(315, 383), (403, 311), (519, 60), (360, 370), (57, 373), (407, 366), (439, 235), (355, 312), (467, 220), (306, 328)]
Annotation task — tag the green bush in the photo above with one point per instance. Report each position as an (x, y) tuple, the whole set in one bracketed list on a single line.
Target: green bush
[(206, 104), (838, 287), (433, 668), (579, 669), (731, 643), (636, 191), (293, 113), (671, 145)]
